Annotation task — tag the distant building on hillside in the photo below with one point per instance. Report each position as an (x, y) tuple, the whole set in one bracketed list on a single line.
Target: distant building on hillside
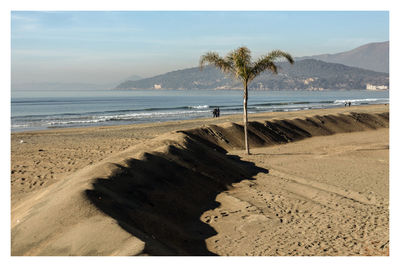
[(260, 86), (376, 87), (309, 80), (157, 86)]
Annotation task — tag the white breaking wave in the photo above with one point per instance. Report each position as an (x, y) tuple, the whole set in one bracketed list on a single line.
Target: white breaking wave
[(127, 117), (199, 107), (19, 125), (342, 101), (191, 111)]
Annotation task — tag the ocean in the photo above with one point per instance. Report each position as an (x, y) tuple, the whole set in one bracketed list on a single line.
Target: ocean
[(38, 110)]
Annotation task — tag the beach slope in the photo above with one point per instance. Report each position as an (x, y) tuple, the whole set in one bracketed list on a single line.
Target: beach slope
[(316, 184)]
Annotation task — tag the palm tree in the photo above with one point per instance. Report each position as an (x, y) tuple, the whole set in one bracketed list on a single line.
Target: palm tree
[(238, 62)]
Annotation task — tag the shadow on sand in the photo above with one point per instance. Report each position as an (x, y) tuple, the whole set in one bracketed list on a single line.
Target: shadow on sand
[(161, 197)]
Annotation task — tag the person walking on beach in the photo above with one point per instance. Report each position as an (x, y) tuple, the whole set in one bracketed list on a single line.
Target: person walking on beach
[(214, 113), (217, 112), (345, 104), (349, 103)]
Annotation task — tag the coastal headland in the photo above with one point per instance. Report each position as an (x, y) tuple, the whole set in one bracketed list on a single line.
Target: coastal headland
[(317, 183)]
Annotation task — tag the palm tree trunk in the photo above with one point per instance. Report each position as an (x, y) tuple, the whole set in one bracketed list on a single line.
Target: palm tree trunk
[(246, 139)]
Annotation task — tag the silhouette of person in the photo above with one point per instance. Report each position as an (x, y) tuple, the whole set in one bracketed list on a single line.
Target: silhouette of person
[(349, 103), (218, 112), (214, 113), (345, 104)]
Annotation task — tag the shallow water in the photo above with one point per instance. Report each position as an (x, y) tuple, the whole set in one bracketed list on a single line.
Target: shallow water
[(35, 110)]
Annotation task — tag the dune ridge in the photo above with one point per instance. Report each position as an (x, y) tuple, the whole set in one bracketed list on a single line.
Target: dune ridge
[(148, 199), (264, 133)]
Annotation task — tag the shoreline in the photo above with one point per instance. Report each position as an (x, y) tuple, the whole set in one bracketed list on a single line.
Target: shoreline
[(40, 158), (83, 176), (233, 117)]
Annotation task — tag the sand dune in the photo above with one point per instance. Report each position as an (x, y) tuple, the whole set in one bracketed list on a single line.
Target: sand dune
[(160, 196), (230, 135), (325, 195), (41, 158)]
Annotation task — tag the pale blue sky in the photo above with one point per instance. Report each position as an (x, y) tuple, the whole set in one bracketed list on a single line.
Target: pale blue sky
[(107, 47)]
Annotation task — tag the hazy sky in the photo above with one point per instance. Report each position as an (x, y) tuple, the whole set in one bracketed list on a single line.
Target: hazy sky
[(107, 47)]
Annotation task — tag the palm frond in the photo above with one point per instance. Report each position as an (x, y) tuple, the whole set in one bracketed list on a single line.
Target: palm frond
[(214, 59), (262, 64), (241, 59), (238, 62), (278, 54), (268, 63)]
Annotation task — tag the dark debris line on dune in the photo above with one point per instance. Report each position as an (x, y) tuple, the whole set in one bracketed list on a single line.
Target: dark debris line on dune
[(161, 197)]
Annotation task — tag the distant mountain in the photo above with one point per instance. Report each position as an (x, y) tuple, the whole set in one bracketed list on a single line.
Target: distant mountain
[(308, 74), (134, 77), (372, 56)]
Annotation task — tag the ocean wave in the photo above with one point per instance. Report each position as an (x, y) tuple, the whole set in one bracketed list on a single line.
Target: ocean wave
[(124, 117), (20, 125), (342, 101), (293, 103), (199, 107), (114, 115), (288, 106), (153, 114), (126, 113)]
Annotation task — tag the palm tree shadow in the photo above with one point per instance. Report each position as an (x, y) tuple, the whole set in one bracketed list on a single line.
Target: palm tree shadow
[(160, 198)]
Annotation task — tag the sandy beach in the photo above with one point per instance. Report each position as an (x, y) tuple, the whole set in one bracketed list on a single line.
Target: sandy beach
[(317, 183)]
